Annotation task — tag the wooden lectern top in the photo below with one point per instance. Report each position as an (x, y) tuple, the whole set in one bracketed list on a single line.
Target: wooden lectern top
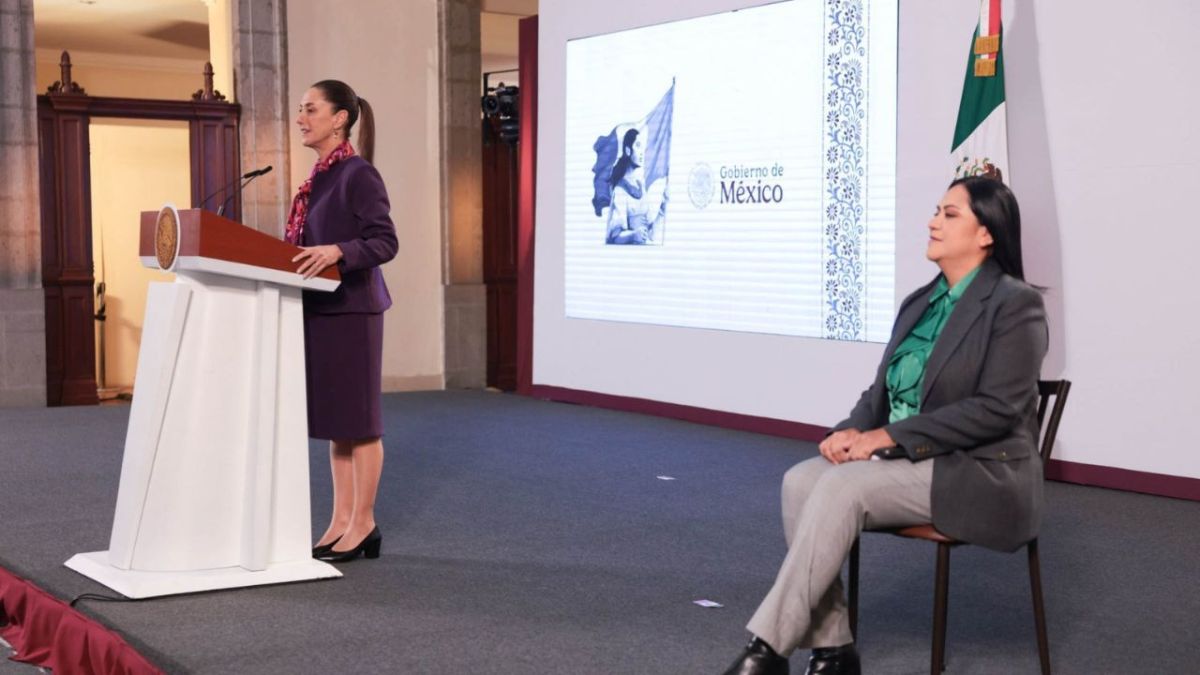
[(203, 236)]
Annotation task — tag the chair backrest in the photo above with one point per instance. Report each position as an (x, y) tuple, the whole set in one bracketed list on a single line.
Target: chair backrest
[(1052, 394)]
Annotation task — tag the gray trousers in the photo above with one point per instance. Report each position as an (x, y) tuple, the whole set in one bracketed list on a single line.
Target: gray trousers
[(825, 506)]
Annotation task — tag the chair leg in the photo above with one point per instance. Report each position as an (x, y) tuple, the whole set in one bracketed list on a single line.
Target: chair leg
[(854, 589), (940, 602), (1039, 611)]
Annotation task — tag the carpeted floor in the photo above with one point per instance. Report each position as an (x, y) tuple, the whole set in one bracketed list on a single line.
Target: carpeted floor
[(522, 536)]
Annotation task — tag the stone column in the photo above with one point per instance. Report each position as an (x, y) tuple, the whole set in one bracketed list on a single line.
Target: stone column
[(462, 194), (22, 302), (260, 77)]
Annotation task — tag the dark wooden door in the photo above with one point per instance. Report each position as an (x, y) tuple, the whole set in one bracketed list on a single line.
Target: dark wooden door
[(66, 198), (67, 280), (500, 255)]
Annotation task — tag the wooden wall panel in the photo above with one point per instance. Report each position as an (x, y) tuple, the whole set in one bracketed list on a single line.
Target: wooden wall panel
[(47, 171), (55, 330), (67, 253), (74, 196), (502, 336), (215, 158), (231, 161), (78, 343), (500, 255)]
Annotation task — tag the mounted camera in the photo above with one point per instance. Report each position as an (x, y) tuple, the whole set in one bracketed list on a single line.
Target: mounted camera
[(502, 102)]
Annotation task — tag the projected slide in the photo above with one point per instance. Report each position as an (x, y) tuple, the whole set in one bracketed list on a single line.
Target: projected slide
[(736, 172)]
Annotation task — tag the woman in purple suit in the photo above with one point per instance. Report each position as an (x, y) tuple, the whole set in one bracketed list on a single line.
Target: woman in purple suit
[(340, 217)]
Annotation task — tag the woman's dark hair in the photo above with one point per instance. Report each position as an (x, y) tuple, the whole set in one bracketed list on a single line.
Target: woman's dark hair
[(342, 97), (623, 164), (995, 206)]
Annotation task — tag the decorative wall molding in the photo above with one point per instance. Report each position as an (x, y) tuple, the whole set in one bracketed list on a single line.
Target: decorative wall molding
[(845, 171)]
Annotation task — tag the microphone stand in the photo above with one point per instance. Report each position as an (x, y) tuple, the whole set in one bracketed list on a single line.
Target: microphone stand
[(248, 179), (246, 176)]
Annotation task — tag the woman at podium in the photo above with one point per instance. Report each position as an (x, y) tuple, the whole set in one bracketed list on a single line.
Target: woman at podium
[(340, 216)]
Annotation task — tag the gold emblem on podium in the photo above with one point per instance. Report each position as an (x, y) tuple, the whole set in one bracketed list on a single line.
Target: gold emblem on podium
[(166, 237)]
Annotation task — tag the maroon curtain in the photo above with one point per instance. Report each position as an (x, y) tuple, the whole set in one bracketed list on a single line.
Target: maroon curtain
[(47, 633), (527, 46)]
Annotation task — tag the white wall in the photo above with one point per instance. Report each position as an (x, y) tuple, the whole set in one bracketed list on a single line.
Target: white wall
[(1103, 148), (388, 52)]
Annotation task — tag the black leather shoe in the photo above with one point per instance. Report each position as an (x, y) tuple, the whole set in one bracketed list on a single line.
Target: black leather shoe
[(758, 659), (834, 661), (321, 550), (369, 547)]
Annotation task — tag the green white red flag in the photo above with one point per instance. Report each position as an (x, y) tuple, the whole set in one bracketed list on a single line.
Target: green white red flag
[(980, 145)]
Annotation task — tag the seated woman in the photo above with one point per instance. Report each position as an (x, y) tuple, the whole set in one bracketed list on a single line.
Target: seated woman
[(956, 397)]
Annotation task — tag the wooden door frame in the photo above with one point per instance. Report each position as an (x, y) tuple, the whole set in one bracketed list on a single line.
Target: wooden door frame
[(66, 214), (500, 262)]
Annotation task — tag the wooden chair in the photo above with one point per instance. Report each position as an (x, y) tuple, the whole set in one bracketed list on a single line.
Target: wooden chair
[(1053, 395)]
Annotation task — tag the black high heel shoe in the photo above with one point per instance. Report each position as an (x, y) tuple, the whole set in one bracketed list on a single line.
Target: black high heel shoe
[(758, 658), (321, 550), (369, 547), (834, 661)]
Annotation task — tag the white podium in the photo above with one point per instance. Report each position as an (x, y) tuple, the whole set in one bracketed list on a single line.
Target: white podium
[(214, 486)]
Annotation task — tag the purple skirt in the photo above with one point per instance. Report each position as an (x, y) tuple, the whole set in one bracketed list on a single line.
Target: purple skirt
[(343, 355)]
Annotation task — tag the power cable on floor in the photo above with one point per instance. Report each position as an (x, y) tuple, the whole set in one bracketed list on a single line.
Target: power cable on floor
[(97, 596)]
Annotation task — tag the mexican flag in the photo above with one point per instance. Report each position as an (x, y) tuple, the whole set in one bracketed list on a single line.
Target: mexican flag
[(980, 144)]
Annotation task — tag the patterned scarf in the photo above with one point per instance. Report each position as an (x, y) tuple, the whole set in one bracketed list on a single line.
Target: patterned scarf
[(299, 214)]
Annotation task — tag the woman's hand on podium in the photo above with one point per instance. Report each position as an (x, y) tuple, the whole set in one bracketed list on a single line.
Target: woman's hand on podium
[(314, 259)]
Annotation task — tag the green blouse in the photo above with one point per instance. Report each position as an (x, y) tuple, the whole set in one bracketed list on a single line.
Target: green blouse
[(906, 368)]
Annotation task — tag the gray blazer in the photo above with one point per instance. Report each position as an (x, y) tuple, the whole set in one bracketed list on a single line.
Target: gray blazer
[(978, 419)]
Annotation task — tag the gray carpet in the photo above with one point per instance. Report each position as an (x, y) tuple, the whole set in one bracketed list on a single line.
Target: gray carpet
[(522, 536)]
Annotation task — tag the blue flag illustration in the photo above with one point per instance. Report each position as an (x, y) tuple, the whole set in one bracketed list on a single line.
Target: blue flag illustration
[(657, 127)]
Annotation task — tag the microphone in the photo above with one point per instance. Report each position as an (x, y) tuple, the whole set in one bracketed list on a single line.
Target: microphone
[(247, 178), (259, 172)]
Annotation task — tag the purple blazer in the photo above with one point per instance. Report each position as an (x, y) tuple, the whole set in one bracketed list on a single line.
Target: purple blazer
[(349, 207)]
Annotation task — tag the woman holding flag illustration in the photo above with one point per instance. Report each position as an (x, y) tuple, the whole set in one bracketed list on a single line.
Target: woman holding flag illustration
[(632, 218)]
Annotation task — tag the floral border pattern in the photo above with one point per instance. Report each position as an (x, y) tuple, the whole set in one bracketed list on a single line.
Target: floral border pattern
[(845, 170)]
